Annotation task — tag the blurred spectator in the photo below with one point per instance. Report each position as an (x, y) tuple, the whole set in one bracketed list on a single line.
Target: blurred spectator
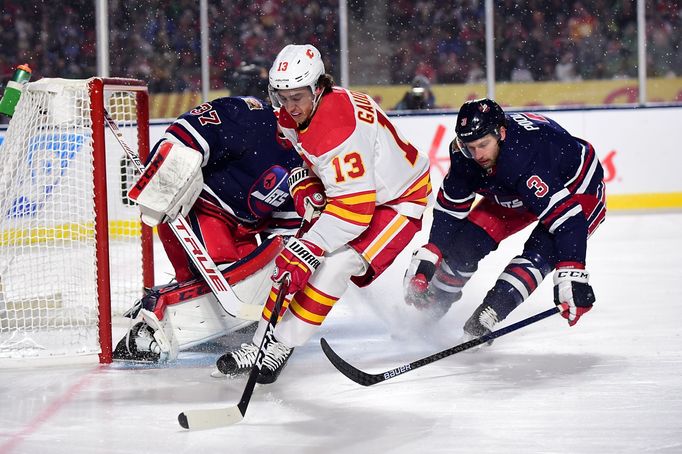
[(418, 97), (581, 23), (565, 69), (520, 71)]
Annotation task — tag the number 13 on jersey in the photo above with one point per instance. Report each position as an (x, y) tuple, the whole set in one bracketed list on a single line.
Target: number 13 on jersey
[(348, 166)]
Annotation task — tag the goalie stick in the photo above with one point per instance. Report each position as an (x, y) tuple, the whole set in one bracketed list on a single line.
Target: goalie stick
[(194, 249), (367, 379), (220, 417)]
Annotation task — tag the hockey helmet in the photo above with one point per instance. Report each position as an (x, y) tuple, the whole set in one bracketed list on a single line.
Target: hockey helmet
[(295, 66), (477, 119), (250, 79)]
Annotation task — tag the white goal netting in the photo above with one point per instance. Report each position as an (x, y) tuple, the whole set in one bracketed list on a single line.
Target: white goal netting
[(48, 266)]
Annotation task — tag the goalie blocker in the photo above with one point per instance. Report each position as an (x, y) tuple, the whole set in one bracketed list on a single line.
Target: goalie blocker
[(179, 316)]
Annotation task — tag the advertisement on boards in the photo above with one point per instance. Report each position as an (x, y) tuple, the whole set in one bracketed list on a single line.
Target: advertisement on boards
[(639, 153)]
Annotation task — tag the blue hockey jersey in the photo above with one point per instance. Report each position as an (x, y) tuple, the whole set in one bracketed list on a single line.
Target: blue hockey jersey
[(540, 168), (245, 168)]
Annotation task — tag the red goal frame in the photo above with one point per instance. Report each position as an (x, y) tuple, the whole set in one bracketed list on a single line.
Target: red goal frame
[(97, 88)]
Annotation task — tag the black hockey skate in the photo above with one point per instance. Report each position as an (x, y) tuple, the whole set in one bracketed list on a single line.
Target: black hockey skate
[(480, 323), (138, 345), (274, 362), (241, 361)]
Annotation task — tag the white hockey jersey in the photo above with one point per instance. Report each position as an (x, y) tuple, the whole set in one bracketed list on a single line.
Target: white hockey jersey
[(363, 162)]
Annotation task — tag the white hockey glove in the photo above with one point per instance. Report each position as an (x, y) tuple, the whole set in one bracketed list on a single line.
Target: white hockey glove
[(572, 293), (169, 185)]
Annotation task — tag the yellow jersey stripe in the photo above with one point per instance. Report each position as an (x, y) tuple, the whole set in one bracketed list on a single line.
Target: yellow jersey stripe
[(306, 314), (385, 237), (347, 214), (356, 199)]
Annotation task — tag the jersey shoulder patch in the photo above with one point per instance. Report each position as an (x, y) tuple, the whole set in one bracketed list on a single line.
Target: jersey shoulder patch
[(252, 103), (333, 123)]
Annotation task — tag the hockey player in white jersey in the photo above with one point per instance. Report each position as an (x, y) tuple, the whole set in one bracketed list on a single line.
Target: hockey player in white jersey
[(377, 187)]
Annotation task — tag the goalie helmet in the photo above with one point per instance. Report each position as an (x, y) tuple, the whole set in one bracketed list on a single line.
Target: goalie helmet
[(295, 66), (250, 79)]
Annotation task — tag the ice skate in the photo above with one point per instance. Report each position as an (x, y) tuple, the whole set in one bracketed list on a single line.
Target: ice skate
[(237, 362), (480, 323), (138, 345), (275, 360), (241, 361)]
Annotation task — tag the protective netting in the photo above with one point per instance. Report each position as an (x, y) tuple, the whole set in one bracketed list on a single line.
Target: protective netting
[(48, 287)]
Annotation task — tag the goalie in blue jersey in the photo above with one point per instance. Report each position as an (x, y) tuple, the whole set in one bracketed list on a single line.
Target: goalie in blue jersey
[(223, 166), (525, 168)]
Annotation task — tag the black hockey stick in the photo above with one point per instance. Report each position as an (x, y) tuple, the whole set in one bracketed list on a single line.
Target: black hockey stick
[(365, 379), (220, 417)]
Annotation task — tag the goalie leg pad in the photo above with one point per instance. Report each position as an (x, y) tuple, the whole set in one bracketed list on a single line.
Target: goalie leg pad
[(163, 335), (183, 315)]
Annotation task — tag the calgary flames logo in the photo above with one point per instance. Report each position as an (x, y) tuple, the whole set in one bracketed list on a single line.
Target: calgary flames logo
[(310, 53)]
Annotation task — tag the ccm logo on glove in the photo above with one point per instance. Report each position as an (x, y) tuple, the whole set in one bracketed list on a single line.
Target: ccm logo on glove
[(572, 292), (578, 275)]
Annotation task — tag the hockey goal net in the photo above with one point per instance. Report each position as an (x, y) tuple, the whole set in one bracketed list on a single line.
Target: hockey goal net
[(72, 249)]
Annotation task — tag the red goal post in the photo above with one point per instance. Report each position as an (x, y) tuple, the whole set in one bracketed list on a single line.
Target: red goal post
[(73, 251)]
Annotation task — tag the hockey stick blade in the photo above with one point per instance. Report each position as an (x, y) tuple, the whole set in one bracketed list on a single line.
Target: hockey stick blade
[(220, 417), (210, 419), (367, 379)]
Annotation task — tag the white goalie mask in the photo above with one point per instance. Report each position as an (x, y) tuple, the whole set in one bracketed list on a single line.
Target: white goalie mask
[(295, 66)]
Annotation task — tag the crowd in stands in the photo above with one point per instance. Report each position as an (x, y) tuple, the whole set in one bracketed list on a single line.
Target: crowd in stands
[(535, 40), (159, 40), (444, 41)]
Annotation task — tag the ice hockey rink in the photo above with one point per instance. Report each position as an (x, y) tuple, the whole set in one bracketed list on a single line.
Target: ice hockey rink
[(610, 384)]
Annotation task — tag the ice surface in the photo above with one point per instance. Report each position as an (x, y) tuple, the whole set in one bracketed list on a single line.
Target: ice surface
[(610, 384)]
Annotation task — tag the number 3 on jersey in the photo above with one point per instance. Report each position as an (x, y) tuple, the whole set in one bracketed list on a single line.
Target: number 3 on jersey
[(351, 166), (535, 182)]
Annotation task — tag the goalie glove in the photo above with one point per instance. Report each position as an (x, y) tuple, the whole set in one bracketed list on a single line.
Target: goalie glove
[(169, 185), (572, 292), (307, 191), (296, 263)]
